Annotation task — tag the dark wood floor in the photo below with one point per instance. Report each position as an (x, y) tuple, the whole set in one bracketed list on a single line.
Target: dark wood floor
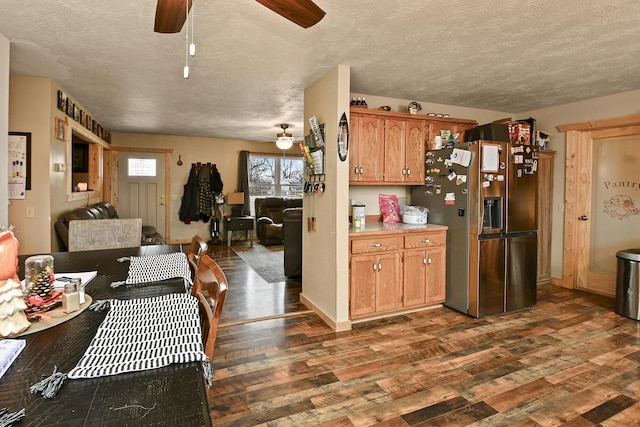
[(568, 361), (250, 297)]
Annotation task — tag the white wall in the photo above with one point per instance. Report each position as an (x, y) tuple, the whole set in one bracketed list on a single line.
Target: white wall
[(4, 130), (548, 119)]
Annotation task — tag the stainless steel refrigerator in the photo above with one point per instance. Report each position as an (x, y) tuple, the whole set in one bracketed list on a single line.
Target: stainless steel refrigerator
[(486, 193)]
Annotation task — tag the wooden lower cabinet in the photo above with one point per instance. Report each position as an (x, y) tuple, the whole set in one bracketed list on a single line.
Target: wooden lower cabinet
[(394, 271), (424, 271)]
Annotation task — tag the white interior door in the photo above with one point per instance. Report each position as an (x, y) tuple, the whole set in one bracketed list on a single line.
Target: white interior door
[(141, 187)]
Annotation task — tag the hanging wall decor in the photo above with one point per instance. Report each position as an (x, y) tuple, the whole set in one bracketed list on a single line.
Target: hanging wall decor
[(343, 137)]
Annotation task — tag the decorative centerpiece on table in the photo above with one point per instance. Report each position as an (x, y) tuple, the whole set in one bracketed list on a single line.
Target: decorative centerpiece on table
[(12, 305), (40, 294)]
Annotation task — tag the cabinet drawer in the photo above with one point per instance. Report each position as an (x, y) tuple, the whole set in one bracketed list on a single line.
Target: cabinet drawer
[(376, 244), (425, 240)]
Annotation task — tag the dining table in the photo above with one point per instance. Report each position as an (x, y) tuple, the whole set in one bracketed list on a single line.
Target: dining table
[(174, 395)]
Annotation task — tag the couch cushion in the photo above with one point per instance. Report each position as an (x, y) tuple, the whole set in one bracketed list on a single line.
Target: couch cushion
[(80, 213)]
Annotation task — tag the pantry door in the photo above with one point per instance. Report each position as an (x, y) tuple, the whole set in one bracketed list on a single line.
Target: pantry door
[(141, 187), (602, 209)]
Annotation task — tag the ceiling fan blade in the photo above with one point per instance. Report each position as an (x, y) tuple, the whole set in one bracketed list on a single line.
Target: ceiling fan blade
[(302, 12), (170, 16)]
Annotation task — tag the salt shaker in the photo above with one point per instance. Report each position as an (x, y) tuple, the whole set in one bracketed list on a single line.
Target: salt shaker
[(71, 297)]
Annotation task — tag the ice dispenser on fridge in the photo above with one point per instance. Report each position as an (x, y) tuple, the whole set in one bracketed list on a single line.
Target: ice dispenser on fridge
[(492, 215)]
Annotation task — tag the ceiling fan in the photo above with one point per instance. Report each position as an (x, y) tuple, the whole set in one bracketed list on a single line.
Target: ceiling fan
[(170, 14)]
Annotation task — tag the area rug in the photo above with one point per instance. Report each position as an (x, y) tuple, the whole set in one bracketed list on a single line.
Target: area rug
[(267, 261)]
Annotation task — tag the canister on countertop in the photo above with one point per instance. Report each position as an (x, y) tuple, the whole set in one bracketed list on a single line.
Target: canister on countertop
[(357, 211)]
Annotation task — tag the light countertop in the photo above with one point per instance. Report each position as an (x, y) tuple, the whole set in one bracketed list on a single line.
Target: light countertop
[(381, 227)]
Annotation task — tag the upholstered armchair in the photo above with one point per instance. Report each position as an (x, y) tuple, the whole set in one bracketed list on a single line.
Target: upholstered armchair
[(268, 212)]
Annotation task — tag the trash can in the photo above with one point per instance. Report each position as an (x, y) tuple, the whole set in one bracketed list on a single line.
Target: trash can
[(628, 283)]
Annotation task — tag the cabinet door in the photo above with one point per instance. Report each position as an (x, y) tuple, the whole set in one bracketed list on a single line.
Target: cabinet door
[(362, 284), (370, 149), (354, 146), (389, 282), (436, 266), (414, 274), (394, 146), (414, 152)]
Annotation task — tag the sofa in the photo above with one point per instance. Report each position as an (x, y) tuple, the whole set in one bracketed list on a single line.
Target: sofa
[(292, 231), (75, 232), (268, 211)]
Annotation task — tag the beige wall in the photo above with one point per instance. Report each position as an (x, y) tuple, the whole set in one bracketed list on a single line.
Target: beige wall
[(325, 273), (222, 152), (30, 111), (548, 119), (4, 129), (33, 105)]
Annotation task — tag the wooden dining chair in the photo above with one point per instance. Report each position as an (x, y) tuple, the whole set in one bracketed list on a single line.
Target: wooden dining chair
[(197, 247), (210, 300)]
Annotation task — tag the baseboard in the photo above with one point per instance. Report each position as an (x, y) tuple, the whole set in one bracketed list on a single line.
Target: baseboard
[(336, 326)]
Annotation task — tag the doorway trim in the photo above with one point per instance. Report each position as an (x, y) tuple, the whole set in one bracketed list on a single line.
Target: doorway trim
[(110, 186), (579, 176)]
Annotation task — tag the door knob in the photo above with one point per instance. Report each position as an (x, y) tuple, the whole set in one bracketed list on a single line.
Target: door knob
[(583, 218), (161, 203)]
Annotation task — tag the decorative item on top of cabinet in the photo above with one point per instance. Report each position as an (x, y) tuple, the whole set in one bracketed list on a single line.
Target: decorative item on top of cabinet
[(388, 148)]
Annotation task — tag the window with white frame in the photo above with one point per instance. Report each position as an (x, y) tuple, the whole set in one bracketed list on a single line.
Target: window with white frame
[(141, 167), (275, 176)]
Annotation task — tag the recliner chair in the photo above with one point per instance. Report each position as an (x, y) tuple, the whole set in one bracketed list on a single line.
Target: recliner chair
[(268, 212)]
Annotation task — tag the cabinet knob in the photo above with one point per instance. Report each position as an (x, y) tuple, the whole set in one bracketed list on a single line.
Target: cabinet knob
[(424, 261), (379, 266), (355, 171), (361, 170), (426, 241), (408, 171), (429, 262), (375, 267), (376, 245), (404, 171)]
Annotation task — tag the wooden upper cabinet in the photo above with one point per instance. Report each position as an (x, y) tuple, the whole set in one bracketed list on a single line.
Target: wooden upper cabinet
[(389, 148), (414, 152), (394, 150), (366, 149)]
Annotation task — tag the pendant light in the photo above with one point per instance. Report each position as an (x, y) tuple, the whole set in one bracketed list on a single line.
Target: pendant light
[(284, 140), (186, 43)]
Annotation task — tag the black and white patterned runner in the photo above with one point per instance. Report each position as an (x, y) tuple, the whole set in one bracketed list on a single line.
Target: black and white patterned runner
[(143, 334), (155, 268)]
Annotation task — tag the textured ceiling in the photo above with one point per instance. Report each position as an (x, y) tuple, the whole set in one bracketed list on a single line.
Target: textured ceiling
[(252, 66)]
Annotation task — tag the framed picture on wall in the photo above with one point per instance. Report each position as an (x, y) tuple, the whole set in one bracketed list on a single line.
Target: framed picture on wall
[(60, 130)]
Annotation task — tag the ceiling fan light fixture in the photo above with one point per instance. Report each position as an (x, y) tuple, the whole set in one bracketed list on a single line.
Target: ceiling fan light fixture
[(284, 140)]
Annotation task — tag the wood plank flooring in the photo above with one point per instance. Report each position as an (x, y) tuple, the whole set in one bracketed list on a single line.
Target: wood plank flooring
[(250, 297), (569, 361)]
